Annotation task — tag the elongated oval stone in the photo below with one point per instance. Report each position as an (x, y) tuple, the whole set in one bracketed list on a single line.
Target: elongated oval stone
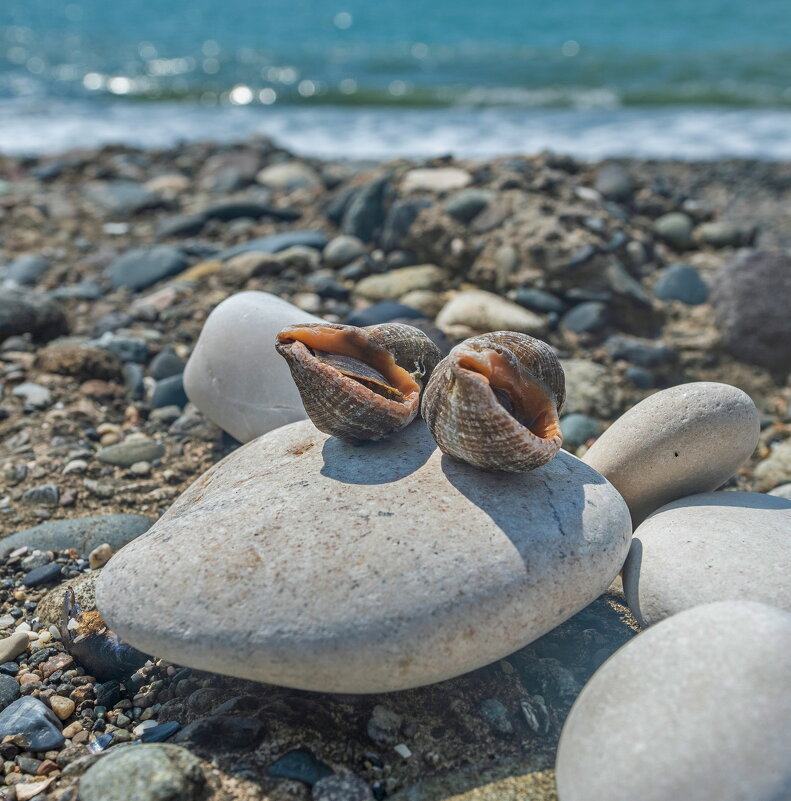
[(304, 561), (681, 441), (718, 546), (235, 376), (695, 708)]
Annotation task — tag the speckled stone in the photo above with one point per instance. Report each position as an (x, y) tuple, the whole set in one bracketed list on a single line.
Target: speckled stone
[(681, 441), (363, 568), (695, 708), (718, 546), (253, 392)]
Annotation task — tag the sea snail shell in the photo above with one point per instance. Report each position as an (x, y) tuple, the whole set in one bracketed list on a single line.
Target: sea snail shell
[(358, 383), (493, 402)]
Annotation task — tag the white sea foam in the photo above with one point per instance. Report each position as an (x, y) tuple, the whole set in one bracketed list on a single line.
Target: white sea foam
[(383, 133)]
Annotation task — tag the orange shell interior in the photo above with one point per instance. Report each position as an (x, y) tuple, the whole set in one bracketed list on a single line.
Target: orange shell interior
[(531, 398), (356, 344)]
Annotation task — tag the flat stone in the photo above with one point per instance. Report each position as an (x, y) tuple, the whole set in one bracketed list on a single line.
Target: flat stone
[(180, 225), (342, 250), (586, 318), (718, 546), (398, 222), (538, 300), (33, 394), (614, 182), (396, 283), (485, 311), (435, 179), (467, 204), (169, 392), (277, 242), (126, 348), (11, 647), (249, 209), (724, 234), (695, 708), (37, 723), (144, 773), (126, 453), (46, 574), (681, 441), (682, 282), (82, 533), (384, 312), (143, 267), (246, 403), (423, 568), (300, 765), (642, 352)]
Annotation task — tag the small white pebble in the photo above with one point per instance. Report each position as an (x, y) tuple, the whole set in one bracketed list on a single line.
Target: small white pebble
[(44, 637), (402, 750), (23, 626), (54, 632), (141, 468), (75, 466)]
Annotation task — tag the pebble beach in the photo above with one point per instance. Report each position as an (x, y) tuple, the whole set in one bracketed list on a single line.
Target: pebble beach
[(662, 288)]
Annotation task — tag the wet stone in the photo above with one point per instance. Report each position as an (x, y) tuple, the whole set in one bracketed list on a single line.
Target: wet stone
[(300, 765), (38, 725)]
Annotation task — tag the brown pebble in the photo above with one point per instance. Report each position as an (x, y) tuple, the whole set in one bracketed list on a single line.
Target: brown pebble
[(81, 737), (72, 729), (99, 556), (47, 767), (61, 706), (96, 388), (57, 662)]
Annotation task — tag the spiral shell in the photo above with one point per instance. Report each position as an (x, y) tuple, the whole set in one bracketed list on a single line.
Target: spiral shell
[(358, 383), (493, 402)]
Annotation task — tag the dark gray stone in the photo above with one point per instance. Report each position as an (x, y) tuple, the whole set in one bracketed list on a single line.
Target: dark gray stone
[(365, 214), (384, 312), (37, 723), (133, 380), (234, 209), (142, 267), (9, 690), (538, 300), (467, 204), (384, 726), (27, 269), (587, 318), (179, 225), (46, 574), (121, 198), (43, 494), (170, 392), (682, 282), (147, 772), (223, 731), (301, 765), (751, 307), (342, 250), (577, 429), (641, 352), (165, 364), (277, 242), (675, 229), (85, 290), (399, 220), (640, 377), (82, 533), (158, 734), (23, 311)]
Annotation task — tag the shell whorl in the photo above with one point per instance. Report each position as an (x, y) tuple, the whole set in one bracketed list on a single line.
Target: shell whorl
[(358, 383), (494, 400)]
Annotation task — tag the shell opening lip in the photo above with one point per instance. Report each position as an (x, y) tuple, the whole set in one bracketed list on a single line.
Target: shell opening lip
[(355, 344), (527, 401)]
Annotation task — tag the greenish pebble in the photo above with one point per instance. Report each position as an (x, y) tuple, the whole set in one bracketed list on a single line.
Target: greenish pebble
[(127, 453)]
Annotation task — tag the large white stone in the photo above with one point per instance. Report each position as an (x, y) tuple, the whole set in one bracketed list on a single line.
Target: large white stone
[(308, 562), (235, 376), (696, 708), (718, 546), (687, 439)]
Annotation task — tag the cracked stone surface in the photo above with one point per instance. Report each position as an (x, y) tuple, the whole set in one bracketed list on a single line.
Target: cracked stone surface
[(364, 568)]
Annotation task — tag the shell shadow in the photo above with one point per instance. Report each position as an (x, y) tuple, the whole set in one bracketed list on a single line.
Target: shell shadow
[(507, 498), (381, 462)]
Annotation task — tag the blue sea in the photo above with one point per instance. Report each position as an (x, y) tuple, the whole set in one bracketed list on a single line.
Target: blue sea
[(386, 78)]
